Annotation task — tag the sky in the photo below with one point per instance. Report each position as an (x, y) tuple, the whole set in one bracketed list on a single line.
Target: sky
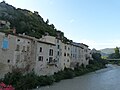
[(93, 22)]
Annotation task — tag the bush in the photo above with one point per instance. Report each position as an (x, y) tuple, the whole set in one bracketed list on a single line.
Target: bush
[(45, 80), (12, 78), (27, 81), (68, 73), (58, 76)]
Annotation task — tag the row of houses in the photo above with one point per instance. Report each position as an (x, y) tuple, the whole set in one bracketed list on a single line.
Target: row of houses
[(44, 56)]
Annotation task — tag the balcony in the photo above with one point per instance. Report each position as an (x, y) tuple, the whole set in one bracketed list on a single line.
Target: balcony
[(52, 62)]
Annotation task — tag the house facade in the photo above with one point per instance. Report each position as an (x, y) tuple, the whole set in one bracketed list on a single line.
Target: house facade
[(7, 48), (45, 63), (86, 54), (44, 56), (80, 54), (65, 59), (24, 54), (17, 53)]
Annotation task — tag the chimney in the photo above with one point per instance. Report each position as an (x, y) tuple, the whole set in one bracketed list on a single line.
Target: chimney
[(14, 30)]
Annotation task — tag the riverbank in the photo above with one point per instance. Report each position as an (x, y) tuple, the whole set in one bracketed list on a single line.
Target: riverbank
[(70, 74), (30, 80), (104, 79)]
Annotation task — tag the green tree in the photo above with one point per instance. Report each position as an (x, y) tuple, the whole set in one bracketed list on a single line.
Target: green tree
[(47, 21), (116, 50), (117, 54)]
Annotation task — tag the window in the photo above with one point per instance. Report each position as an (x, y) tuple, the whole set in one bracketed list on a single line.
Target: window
[(28, 48), (40, 58), (58, 47), (8, 61), (68, 48), (23, 49), (75, 56), (5, 43), (46, 59), (65, 47), (57, 41), (17, 47), (40, 49), (58, 53), (67, 54), (51, 52), (50, 59), (64, 54), (18, 40), (68, 60), (75, 49)]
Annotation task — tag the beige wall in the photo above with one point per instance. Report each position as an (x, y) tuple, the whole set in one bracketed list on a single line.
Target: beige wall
[(22, 54), (66, 52), (45, 66), (6, 55), (49, 39)]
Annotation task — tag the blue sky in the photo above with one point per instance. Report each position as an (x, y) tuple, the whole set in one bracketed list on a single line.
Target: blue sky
[(93, 22)]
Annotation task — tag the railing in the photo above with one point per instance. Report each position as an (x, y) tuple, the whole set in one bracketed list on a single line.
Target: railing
[(53, 62), (113, 59)]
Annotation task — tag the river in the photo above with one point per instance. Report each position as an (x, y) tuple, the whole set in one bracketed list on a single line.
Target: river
[(104, 79)]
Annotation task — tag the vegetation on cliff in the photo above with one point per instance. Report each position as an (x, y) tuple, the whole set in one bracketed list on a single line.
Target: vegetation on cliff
[(30, 23)]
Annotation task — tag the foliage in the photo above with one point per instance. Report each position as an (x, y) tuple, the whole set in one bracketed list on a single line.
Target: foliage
[(115, 55), (98, 60), (96, 56), (25, 21), (116, 50)]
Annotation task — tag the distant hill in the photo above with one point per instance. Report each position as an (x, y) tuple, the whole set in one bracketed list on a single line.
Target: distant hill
[(107, 50), (30, 23), (104, 54)]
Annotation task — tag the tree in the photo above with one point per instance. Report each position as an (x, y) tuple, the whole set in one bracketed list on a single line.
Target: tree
[(47, 21), (96, 56), (116, 50), (117, 54)]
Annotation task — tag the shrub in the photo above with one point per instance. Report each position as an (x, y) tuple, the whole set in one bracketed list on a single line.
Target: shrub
[(45, 80), (68, 73), (27, 81), (12, 78), (58, 76)]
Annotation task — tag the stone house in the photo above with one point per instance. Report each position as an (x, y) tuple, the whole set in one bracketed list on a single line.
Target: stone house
[(24, 54), (45, 63), (7, 48), (44, 56), (16, 53), (86, 54)]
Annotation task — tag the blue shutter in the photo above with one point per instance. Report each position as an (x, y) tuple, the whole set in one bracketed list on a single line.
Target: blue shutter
[(5, 43)]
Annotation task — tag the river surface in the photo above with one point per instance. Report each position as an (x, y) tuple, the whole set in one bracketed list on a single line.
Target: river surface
[(104, 79)]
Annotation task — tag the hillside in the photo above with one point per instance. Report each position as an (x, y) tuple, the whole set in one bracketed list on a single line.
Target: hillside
[(107, 50), (25, 21)]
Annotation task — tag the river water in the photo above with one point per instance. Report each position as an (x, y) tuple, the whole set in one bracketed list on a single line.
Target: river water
[(105, 79)]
